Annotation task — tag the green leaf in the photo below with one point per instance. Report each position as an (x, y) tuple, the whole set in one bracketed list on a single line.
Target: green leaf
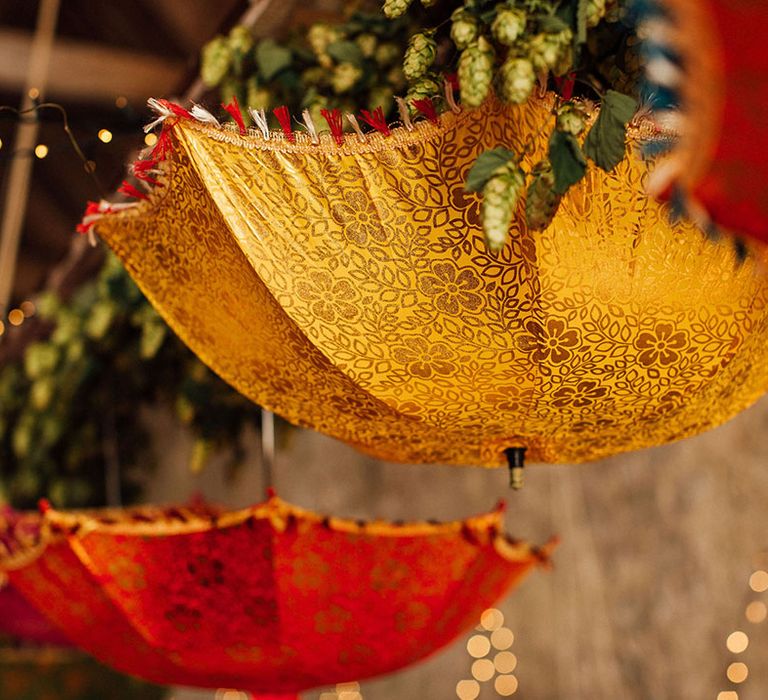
[(567, 12), (568, 161), (272, 58), (345, 52), (605, 142), (485, 165), (623, 107), (552, 24)]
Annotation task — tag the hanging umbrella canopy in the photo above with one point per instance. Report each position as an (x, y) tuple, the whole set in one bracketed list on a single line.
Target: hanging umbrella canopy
[(271, 599), (347, 287), (712, 54)]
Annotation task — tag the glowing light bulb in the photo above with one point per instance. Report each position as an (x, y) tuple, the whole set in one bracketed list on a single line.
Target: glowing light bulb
[(756, 612), (505, 685), (16, 317), (467, 690), (483, 670), (105, 135), (758, 581), (737, 672), (502, 638), (737, 642), (41, 150), (150, 139), (491, 619), (478, 646)]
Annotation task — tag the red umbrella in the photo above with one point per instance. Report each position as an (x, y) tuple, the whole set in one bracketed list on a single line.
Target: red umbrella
[(713, 53), (272, 599), (23, 623)]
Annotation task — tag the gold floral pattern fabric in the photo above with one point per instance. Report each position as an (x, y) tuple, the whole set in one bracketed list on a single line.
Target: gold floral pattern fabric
[(349, 289)]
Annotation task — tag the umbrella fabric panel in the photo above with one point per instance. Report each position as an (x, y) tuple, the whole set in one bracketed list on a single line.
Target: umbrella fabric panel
[(73, 600), (372, 254), (22, 622), (188, 264), (303, 603)]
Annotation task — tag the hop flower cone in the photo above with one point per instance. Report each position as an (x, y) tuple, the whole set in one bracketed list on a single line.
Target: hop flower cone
[(419, 56), (500, 196), (475, 73)]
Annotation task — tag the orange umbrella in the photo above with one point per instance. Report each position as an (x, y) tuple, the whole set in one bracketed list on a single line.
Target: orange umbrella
[(348, 288), (712, 52), (272, 599)]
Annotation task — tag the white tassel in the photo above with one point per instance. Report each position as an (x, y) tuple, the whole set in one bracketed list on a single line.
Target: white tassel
[(307, 117), (105, 207), (356, 126), (450, 98), (158, 108), (203, 115), (405, 113), (259, 117)]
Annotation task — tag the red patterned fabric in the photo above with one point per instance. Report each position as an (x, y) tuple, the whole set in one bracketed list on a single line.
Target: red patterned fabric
[(272, 599), (723, 160), (735, 190), (22, 622)]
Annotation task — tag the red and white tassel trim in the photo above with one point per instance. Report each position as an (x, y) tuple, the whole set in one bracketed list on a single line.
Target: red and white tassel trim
[(94, 211)]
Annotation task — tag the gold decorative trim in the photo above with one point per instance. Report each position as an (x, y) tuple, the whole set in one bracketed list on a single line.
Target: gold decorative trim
[(148, 521)]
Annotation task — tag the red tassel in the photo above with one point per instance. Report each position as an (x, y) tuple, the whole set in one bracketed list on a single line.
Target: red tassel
[(178, 110), (164, 146), (284, 117), (335, 123), (44, 505), (426, 107), (91, 209), (140, 170), (271, 492), (376, 119), (128, 189), (565, 85), (234, 109)]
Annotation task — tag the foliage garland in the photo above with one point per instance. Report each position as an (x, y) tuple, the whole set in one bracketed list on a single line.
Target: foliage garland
[(73, 403), (585, 50)]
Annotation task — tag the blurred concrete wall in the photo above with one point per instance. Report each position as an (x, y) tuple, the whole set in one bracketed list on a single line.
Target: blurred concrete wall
[(651, 577)]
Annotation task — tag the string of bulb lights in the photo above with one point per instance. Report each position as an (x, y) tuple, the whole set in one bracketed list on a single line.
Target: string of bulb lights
[(737, 642), (18, 315)]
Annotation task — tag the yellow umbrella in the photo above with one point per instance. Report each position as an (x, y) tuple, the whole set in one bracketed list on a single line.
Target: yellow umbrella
[(348, 288)]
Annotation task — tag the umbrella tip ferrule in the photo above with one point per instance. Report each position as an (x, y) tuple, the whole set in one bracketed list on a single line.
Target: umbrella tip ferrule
[(516, 461)]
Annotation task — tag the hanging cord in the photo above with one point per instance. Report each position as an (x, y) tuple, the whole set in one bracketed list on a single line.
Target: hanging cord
[(88, 165), (112, 490), (267, 449)]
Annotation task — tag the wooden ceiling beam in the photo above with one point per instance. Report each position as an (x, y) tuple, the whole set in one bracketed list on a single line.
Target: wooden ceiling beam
[(89, 72)]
